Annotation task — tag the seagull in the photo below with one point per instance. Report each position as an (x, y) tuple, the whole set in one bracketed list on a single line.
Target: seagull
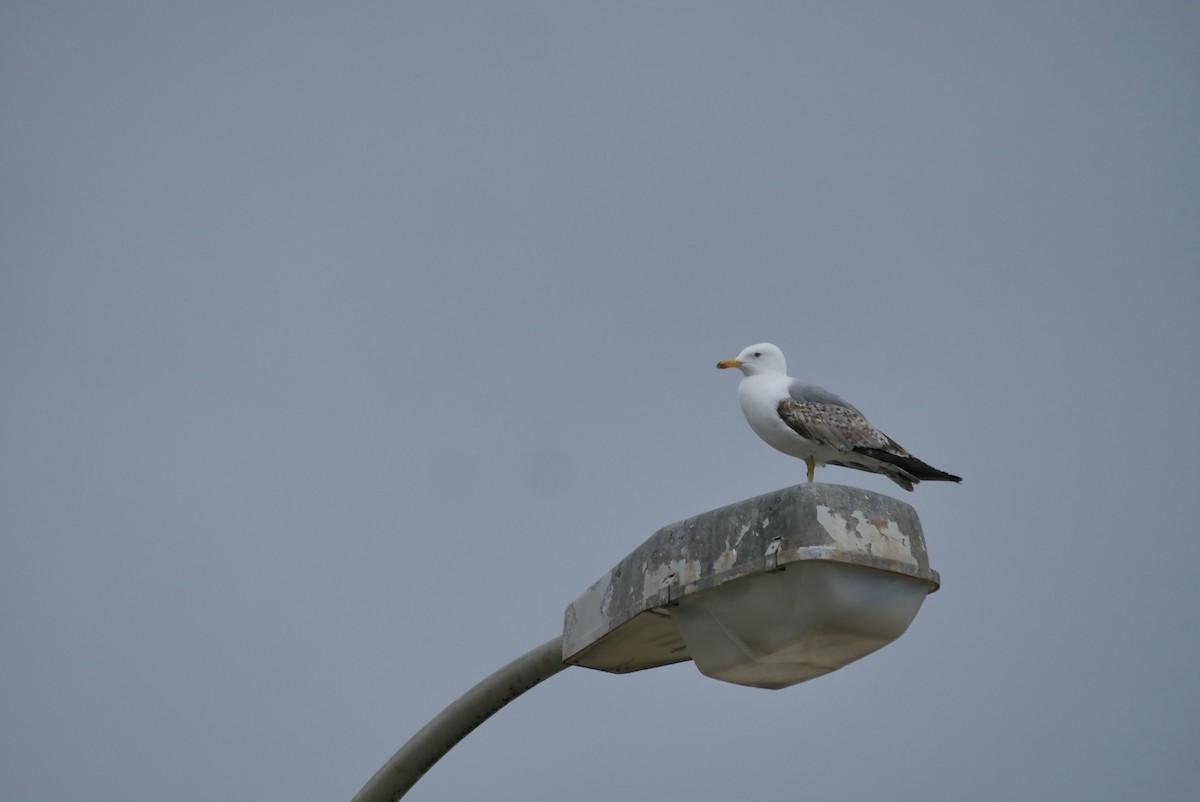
[(811, 423)]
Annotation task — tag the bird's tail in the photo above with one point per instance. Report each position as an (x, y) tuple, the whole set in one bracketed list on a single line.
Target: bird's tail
[(914, 470)]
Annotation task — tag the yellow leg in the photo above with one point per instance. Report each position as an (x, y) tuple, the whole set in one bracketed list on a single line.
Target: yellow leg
[(812, 467)]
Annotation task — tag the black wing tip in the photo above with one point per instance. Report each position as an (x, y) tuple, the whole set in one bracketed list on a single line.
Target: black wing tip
[(919, 471), (934, 475)]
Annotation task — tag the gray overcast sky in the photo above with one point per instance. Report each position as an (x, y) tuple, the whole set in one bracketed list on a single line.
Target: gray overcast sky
[(343, 345)]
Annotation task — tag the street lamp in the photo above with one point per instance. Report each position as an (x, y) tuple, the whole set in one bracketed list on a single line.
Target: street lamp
[(767, 592)]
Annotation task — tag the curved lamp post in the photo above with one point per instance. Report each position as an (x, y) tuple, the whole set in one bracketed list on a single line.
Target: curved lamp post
[(767, 592)]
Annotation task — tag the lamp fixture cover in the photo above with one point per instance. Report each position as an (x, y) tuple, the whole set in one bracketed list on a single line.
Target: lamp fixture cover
[(767, 592)]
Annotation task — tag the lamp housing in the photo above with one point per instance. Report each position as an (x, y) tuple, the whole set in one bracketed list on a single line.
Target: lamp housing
[(766, 592)]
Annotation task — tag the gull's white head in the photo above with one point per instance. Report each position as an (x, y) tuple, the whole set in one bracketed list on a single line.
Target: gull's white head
[(763, 358)]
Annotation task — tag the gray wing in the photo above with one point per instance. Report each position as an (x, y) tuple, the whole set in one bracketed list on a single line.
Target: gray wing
[(819, 395), (819, 415), (824, 418)]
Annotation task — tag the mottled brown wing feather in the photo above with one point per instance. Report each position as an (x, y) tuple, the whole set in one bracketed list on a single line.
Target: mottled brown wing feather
[(835, 426), (847, 430)]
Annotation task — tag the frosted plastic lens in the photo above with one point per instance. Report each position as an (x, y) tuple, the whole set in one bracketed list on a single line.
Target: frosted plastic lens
[(778, 629)]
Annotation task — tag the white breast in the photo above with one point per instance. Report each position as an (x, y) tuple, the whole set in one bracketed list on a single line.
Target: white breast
[(760, 397)]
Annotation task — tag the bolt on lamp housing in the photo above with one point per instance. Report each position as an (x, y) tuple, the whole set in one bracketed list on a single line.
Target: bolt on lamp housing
[(767, 592)]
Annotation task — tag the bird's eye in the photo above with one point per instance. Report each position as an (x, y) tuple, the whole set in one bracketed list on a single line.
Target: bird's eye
[(758, 353)]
